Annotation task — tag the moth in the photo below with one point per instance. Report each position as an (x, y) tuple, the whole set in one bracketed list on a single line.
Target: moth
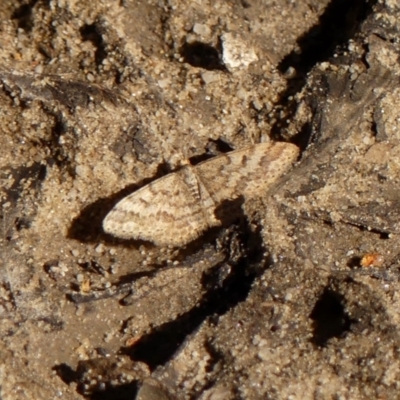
[(179, 207)]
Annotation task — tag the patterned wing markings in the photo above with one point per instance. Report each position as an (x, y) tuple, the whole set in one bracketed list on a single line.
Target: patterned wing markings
[(246, 172), (168, 211), (177, 208)]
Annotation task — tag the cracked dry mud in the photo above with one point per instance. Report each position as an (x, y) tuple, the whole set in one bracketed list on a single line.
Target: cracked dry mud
[(98, 100)]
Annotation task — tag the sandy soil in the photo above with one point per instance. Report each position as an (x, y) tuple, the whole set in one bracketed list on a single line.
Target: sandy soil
[(99, 98)]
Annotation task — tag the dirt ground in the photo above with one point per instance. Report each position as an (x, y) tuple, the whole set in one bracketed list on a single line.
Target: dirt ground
[(297, 299)]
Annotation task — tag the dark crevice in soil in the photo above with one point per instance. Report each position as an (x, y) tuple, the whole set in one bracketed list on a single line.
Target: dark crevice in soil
[(120, 392), (365, 228), (202, 55), (329, 318), (338, 24), (66, 373), (302, 138), (227, 284), (24, 15), (93, 34), (213, 148)]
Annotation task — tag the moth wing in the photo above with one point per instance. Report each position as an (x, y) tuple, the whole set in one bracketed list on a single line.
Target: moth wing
[(163, 212), (248, 171)]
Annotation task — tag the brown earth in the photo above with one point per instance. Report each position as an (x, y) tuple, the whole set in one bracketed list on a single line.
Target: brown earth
[(99, 98)]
